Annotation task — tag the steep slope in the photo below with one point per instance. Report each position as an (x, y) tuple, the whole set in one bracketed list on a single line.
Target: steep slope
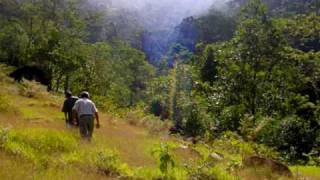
[(34, 144)]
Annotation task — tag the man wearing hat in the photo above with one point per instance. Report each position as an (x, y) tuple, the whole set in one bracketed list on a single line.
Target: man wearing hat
[(67, 107), (86, 111)]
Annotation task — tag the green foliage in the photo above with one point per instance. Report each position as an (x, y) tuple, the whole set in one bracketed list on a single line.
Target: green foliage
[(108, 162), (293, 136), (36, 145), (264, 82), (207, 170), (236, 145), (51, 148), (158, 89), (166, 160), (231, 117), (119, 73), (305, 37), (43, 141), (137, 117), (13, 43), (58, 37), (195, 124)]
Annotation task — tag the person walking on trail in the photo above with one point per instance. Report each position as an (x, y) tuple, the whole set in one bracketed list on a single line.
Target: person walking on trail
[(67, 108), (86, 111)]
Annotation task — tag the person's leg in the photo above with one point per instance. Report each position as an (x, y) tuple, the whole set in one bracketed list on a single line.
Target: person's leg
[(77, 119), (83, 127), (69, 120), (90, 127)]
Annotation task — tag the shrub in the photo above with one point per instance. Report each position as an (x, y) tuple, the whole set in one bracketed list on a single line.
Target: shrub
[(103, 160), (295, 137), (108, 162), (195, 125), (207, 171), (166, 160), (33, 89), (292, 136), (105, 104), (234, 144), (138, 117), (231, 116)]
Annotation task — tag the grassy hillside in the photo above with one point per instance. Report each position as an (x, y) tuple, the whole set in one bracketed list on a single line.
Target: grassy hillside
[(34, 144)]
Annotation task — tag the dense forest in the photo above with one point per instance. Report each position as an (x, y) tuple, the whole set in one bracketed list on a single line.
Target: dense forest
[(251, 67)]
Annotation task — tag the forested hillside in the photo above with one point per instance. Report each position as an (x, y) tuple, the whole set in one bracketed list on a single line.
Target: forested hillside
[(246, 71)]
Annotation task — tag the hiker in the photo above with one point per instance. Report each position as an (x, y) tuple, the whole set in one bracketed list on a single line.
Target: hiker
[(86, 111), (67, 108)]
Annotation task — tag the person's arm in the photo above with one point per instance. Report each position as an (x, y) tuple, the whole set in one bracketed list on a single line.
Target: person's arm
[(97, 119), (96, 113), (75, 113), (74, 116)]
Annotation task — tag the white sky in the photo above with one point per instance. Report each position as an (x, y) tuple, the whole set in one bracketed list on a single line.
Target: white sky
[(163, 13)]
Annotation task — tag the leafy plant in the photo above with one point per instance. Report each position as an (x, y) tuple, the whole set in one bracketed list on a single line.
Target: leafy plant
[(166, 160)]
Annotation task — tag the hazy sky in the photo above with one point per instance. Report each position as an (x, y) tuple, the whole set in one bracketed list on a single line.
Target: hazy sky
[(163, 13)]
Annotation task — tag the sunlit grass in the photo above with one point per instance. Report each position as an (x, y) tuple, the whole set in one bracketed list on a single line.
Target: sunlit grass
[(311, 172), (37, 146)]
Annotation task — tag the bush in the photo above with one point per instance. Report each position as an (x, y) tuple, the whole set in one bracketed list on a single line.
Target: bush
[(105, 104), (195, 125), (207, 171), (166, 160), (295, 137), (108, 162), (231, 117), (292, 136), (138, 117), (33, 89), (234, 144)]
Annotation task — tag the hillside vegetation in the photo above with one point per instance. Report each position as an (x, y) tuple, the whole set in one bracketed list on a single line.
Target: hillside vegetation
[(227, 90), (34, 144)]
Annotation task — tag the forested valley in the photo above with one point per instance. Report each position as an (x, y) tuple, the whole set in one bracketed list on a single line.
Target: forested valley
[(246, 72)]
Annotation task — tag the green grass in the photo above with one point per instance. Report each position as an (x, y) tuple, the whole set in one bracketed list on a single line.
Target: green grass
[(311, 172), (51, 148), (37, 146), (48, 150)]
